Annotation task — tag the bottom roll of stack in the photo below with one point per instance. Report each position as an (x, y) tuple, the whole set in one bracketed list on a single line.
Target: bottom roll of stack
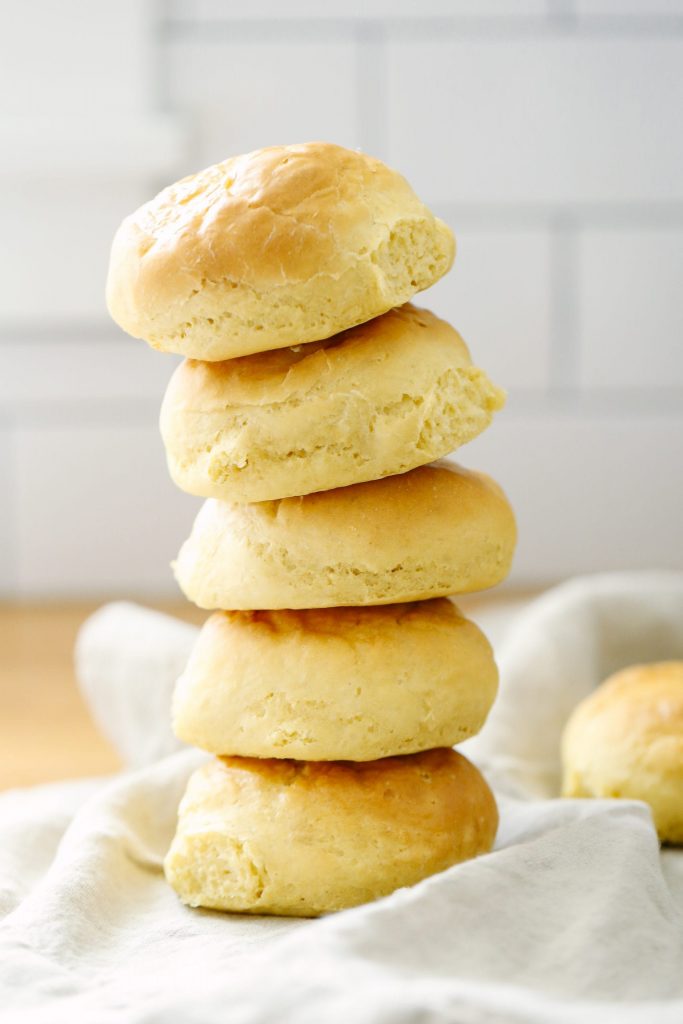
[(303, 838)]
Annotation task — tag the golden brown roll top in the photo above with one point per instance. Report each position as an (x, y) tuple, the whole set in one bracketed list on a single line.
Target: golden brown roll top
[(277, 247), (337, 683), (626, 740)]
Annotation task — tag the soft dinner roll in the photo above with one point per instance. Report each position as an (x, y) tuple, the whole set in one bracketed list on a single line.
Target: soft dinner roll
[(304, 838), (434, 531), (278, 247), (382, 398), (626, 740), (337, 683)]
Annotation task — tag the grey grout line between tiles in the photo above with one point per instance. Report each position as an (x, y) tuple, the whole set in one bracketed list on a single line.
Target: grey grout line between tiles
[(270, 30), (102, 332), (618, 216), (562, 23), (69, 412), (627, 403), (562, 13)]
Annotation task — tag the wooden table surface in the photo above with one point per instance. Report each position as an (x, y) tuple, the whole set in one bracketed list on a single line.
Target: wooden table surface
[(45, 730)]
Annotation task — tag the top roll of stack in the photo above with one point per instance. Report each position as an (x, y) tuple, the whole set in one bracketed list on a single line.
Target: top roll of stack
[(278, 247)]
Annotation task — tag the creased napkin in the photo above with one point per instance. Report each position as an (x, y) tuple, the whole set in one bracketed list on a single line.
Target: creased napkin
[(564, 645), (575, 917)]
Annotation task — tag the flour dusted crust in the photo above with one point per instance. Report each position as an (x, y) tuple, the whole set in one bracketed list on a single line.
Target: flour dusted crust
[(277, 247)]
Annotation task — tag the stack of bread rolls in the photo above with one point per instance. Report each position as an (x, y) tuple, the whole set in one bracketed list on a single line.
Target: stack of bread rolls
[(334, 676)]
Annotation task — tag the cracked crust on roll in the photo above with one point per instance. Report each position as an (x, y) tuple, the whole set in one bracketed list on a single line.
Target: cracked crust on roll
[(397, 392), (281, 246), (304, 838)]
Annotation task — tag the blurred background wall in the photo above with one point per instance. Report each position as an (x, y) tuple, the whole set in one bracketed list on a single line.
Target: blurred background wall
[(548, 134)]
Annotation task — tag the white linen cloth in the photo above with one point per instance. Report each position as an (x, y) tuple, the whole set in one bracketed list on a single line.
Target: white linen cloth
[(575, 917)]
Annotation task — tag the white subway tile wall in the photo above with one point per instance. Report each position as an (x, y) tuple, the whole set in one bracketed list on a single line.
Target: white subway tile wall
[(70, 373), (499, 297), (261, 91), (59, 234), (95, 509), (590, 491), (76, 56), (546, 132), (537, 119), (626, 344)]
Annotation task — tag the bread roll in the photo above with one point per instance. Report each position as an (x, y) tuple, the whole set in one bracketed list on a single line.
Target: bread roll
[(434, 531), (336, 684), (300, 838), (274, 248), (626, 740), (397, 392)]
